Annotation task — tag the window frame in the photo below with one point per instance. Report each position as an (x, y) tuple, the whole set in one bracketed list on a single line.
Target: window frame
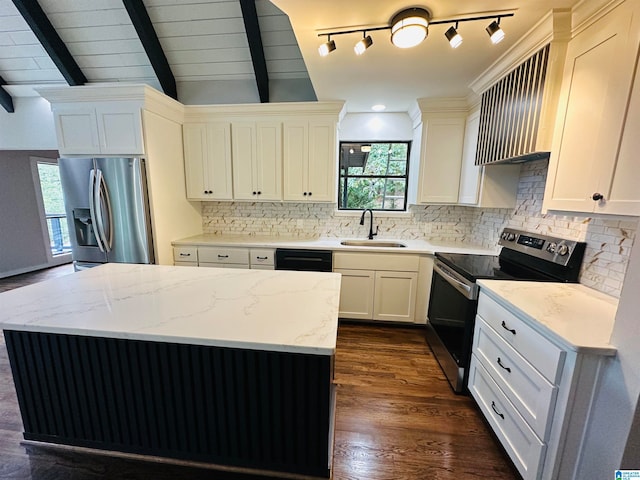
[(342, 178)]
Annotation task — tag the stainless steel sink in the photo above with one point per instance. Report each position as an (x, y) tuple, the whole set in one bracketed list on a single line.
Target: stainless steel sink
[(371, 243)]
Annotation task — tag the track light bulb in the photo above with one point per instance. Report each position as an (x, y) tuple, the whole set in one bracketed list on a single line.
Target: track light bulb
[(327, 47), (363, 44), (495, 32), (455, 39)]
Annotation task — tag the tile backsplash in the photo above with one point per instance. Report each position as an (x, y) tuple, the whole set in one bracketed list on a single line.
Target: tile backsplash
[(609, 239)]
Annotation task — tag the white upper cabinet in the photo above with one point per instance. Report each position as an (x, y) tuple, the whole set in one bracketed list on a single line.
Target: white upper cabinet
[(310, 157), (207, 154), (594, 163), (441, 144), (257, 160), (494, 186), (99, 128)]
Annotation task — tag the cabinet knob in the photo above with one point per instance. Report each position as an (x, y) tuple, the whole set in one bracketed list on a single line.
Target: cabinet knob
[(304, 193), (255, 193), (259, 192), (597, 197), (309, 193)]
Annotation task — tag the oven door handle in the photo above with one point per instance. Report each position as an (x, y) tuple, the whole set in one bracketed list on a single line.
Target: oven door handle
[(469, 291)]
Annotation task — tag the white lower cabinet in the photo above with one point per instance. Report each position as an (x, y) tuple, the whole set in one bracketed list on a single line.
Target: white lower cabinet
[(377, 286), (535, 392), (224, 257)]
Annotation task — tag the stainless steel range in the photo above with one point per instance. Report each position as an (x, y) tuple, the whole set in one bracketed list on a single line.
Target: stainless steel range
[(454, 292)]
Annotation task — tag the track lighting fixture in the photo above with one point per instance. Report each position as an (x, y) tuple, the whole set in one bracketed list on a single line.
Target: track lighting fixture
[(327, 47), (410, 27), (495, 32), (454, 38), (363, 44)]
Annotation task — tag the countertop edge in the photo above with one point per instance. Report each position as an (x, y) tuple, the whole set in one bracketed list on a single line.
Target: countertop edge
[(323, 351), (330, 243), (602, 349)]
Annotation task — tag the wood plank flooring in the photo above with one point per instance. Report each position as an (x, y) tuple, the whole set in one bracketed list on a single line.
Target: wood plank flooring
[(396, 418)]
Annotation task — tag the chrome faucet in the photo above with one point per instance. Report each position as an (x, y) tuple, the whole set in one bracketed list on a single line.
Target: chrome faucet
[(371, 234)]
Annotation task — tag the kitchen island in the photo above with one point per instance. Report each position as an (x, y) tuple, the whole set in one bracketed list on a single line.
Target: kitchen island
[(227, 367)]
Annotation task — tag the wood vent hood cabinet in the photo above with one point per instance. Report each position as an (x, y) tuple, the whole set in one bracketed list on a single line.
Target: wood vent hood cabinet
[(517, 112)]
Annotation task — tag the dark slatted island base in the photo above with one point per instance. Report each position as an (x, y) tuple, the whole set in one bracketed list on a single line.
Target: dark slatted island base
[(227, 367)]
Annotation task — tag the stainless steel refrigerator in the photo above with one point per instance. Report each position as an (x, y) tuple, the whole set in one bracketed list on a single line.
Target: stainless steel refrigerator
[(107, 210)]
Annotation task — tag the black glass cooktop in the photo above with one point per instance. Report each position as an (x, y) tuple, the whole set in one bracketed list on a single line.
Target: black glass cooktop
[(475, 267)]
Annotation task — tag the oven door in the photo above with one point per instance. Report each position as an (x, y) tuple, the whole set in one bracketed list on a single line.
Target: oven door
[(452, 309)]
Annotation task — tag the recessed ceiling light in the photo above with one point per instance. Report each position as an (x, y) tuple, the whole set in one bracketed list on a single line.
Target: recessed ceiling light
[(378, 108)]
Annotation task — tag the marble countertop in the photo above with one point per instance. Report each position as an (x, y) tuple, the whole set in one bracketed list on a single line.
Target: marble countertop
[(576, 316), (255, 309), (323, 243)]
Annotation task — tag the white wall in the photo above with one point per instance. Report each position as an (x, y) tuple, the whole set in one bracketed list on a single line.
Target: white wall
[(376, 126), (30, 127), (22, 245), (609, 433)]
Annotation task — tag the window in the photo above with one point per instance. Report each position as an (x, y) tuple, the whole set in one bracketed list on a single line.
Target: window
[(54, 211), (373, 175)]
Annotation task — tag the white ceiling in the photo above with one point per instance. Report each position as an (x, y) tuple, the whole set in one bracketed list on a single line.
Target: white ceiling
[(396, 77), (205, 41)]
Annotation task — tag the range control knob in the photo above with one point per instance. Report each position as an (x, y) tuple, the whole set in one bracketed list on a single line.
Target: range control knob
[(511, 237), (563, 250), (551, 248)]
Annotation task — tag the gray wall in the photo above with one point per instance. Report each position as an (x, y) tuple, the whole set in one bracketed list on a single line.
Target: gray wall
[(22, 246)]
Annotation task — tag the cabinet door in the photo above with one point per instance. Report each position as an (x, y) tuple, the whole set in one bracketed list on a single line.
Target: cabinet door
[(469, 172), (356, 294), (120, 129), (77, 130), (441, 160), (195, 160), (322, 181), (269, 160), (243, 141), (296, 161), (207, 158), (395, 296), (595, 90)]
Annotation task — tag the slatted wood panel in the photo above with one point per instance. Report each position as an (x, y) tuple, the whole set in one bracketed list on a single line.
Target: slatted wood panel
[(265, 410), (510, 112)]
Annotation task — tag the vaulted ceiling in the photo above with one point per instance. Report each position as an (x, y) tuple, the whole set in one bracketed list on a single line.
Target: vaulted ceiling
[(158, 42), (243, 51)]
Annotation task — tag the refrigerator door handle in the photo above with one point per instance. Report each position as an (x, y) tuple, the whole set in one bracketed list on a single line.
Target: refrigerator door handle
[(102, 195), (92, 208)]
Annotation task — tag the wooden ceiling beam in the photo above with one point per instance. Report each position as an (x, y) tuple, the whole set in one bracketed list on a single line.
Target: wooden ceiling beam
[(5, 99), (147, 34), (252, 27), (50, 40)]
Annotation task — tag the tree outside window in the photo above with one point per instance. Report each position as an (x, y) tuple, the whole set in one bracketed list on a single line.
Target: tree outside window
[(373, 175)]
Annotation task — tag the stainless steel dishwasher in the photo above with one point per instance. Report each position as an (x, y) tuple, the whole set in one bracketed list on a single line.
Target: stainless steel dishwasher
[(304, 260)]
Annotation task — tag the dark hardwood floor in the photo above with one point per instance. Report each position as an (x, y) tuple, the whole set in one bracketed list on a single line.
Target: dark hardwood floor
[(396, 418)]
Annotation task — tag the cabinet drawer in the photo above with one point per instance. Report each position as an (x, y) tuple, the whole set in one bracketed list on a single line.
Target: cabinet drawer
[(224, 265), (521, 443), (545, 356), (260, 256), (223, 255), (185, 264), (376, 261), (532, 395), (185, 254)]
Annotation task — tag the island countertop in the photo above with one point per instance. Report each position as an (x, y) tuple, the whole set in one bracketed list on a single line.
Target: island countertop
[(268, 310)]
